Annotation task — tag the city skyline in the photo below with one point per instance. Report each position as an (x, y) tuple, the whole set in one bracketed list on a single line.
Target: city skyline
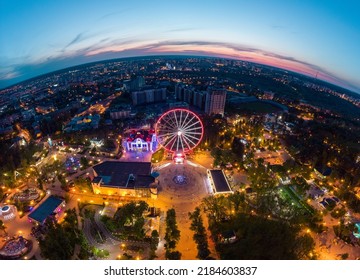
[(243, 155), (308, 37)]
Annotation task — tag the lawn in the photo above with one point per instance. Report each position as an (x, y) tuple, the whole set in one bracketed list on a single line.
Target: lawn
[(289, 192)]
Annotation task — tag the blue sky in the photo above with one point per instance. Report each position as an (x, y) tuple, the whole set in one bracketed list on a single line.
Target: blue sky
[(307, 36)]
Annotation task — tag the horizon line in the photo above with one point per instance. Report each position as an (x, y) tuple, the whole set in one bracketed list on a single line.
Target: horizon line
[(352, 88)]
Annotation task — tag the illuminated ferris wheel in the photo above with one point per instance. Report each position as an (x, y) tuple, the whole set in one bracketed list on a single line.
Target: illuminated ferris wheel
[(179, 130)]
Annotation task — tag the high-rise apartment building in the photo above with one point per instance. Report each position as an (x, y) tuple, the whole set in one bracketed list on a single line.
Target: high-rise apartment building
[(137, 83), (190, 95), (215, 101), (148, 96)]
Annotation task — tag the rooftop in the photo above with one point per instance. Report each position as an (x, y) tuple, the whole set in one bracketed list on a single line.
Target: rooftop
[(323, 170), (220, 183), (117, 174), (45, 209)]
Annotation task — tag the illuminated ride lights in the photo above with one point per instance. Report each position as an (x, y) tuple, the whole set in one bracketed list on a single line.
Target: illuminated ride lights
[(179, 131)]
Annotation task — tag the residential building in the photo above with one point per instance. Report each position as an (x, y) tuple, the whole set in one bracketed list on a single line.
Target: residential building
[(215, 101), (148, 96)]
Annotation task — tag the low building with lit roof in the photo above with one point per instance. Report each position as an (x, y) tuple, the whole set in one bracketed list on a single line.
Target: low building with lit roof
[(121, 178)]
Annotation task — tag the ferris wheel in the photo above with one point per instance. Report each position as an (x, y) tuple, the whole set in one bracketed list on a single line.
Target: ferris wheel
[(179, 130)]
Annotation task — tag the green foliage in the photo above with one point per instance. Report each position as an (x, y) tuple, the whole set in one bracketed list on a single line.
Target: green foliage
[(62, 180), (14, 158), (172, 235), (85, 249), (173, 255), (214, 125), (59, 240), (172, 232), (109, 145), (263, 239), (301, 184), (2, 226), (260, 178), (154, 240), (129, 220), (219, 207), (83, 184), (343, 232), (238, 148), (93, 152), (101, 253), (352, 200), (89, 214), (84, 162), (237, 200), (200, 236), (223, 156), (338, 213), (332, 141), (109, 223), (158, 155), (126, 256)]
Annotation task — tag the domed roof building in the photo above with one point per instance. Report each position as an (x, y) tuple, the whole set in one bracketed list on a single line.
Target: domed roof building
[(7, 212)]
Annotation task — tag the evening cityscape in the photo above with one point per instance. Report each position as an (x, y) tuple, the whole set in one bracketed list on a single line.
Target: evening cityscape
[(214, 130)]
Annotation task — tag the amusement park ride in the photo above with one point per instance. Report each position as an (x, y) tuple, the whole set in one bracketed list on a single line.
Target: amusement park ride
[(179, 131)]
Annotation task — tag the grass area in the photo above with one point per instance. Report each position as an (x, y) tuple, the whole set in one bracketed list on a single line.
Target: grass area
[(101, 253), (158, 156), (289, 192)]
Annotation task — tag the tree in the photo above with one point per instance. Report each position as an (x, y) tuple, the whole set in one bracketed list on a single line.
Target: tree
[(83, 184), (154, 242), (238, 148), (62, 180), (263, 239), (84, 162), (40, 183), (304, 247), (172, 235), (173, 255), (215, 206), (59, 241), (237, 199), (93, 151), (129, 219), (172, 232), (3, 227), (200, 236)]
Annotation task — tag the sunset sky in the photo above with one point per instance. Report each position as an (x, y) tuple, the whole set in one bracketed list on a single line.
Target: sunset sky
[(306, 36)]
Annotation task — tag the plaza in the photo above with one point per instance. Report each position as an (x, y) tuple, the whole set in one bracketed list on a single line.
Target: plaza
[(182, 187)]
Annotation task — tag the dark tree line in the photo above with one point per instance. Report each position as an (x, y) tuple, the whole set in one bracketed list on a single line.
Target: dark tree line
[(199, 236), (59, 239), (264, 239), (172, 236)]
